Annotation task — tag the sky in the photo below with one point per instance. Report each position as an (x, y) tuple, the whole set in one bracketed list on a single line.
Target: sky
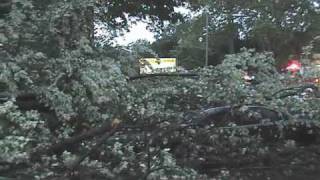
[(137, 31)]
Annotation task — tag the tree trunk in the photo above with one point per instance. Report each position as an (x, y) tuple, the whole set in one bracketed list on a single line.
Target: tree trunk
[(231, 45), (233, 31), (5, 7), (75, 26)]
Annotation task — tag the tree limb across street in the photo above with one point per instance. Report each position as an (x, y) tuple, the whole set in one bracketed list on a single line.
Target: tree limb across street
[(59, 147), (163, 75)]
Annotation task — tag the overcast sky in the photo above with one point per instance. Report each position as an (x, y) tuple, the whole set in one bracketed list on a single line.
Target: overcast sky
[(137, 31)]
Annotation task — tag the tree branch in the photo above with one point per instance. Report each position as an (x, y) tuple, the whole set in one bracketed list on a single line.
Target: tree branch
[(99, 142), (55, 83), (298, 89), (163, 75), (61, 146)]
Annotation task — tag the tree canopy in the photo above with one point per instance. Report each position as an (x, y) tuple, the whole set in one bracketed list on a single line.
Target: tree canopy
[(281, 27), (73, 110), (118, 13)]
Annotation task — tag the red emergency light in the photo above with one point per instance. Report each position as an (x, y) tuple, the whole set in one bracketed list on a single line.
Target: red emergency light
[(293, 66)]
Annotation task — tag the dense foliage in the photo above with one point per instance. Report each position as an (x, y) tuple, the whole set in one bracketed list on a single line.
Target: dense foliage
[(75, 113), (116, 13), (282, 27), (155, 123)]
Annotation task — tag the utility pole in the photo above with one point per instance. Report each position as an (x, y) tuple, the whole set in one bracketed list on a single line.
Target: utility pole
[(207, 36)]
